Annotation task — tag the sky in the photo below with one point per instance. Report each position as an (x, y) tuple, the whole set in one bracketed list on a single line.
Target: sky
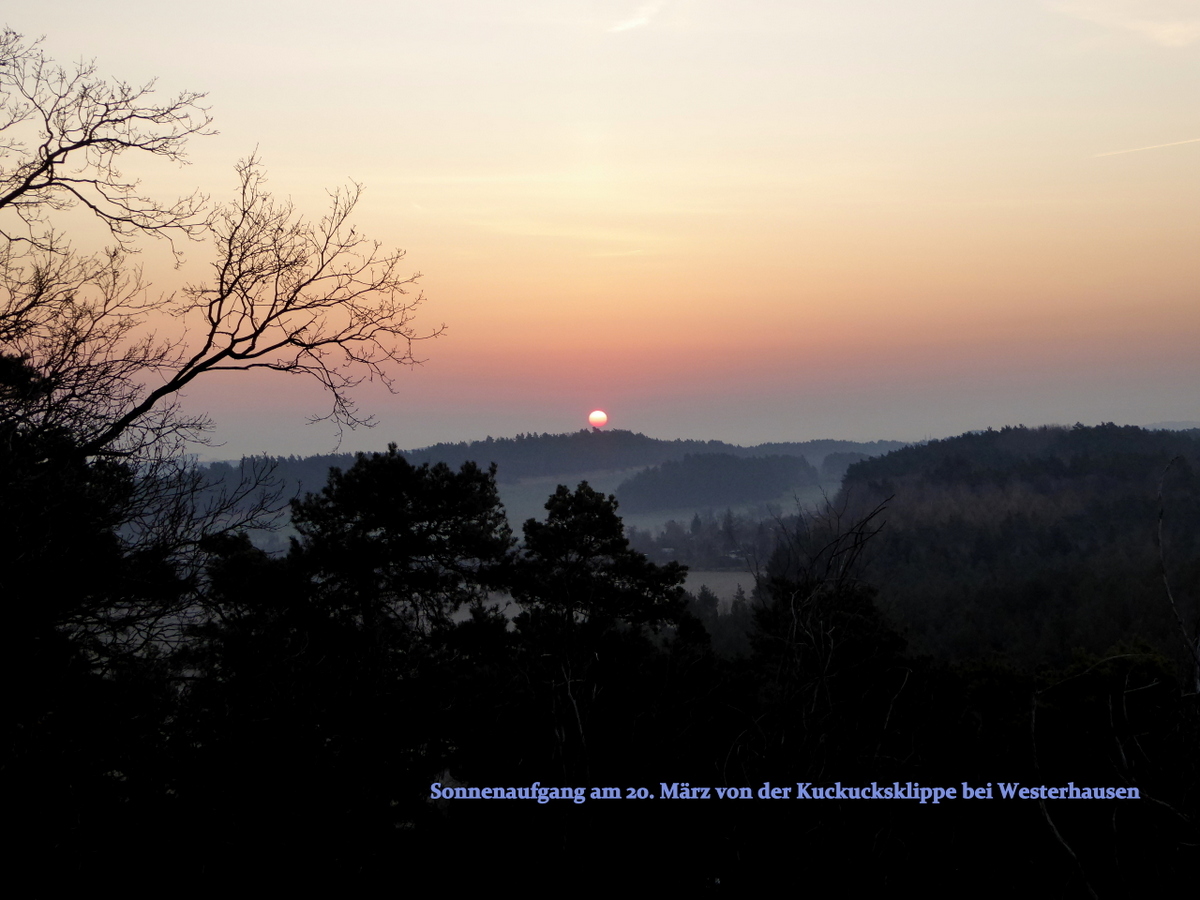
[(748, 220)]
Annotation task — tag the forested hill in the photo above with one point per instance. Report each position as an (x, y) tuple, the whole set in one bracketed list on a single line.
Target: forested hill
[(1033, 543), (1016, 453), (714, 480), (587, 450), (590, 450)]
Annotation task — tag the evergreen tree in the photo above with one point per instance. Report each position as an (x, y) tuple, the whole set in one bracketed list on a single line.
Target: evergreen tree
[(578, 567), (395, 545)]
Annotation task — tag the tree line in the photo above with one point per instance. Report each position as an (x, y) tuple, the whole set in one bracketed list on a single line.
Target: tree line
[(299, 719), (189, 709), (1032, 542)]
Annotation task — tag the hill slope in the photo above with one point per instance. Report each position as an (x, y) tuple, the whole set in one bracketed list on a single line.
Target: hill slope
[(546, 455), (1034, 542)]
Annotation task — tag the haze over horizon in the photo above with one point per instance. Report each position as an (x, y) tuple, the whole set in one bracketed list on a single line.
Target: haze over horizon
[(745, 222)]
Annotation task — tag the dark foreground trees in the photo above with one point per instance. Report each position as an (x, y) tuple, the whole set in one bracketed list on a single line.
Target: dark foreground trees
[(294, 730), (578, 567), (392, 545), (588, 603), (104, 554), (338, 667), (299, 730), (89, 391)]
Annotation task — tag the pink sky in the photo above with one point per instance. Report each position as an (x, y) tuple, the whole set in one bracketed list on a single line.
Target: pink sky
[(748, 221)]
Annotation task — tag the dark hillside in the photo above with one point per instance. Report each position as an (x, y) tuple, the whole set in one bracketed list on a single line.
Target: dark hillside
[(540, 455), (714, 480), (590, 450), (1035, 542)]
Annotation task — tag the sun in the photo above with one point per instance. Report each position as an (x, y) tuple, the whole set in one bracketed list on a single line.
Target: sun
[(598, 418)]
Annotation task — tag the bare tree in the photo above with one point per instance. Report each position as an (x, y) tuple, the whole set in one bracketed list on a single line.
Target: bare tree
[(62, 133), (287, 295), (77, 357), (71, 339), (86, 384)]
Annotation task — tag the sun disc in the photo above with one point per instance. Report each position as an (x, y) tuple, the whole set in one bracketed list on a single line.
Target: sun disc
[(598, 418)]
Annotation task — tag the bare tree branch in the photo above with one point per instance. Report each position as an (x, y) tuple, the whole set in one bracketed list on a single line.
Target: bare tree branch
[(90, 416), (62, 134), (286, 295)]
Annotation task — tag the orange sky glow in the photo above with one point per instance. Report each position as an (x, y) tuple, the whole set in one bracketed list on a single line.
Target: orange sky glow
[(748, 221)]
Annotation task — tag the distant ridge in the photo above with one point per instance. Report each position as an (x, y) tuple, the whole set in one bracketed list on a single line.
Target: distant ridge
[(591, 449), (1173, 426), (534, 455), (715, 480), (1035, 542)]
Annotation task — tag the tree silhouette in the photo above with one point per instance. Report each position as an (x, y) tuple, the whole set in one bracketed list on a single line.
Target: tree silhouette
[(392, 545), (577, 567), (586, 596), (65, 132), (86, 386), (286, 294), (339, 665)]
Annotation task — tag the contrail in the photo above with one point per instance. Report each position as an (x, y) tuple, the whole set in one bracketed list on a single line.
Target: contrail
[(1151, 147), (641, 17)]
